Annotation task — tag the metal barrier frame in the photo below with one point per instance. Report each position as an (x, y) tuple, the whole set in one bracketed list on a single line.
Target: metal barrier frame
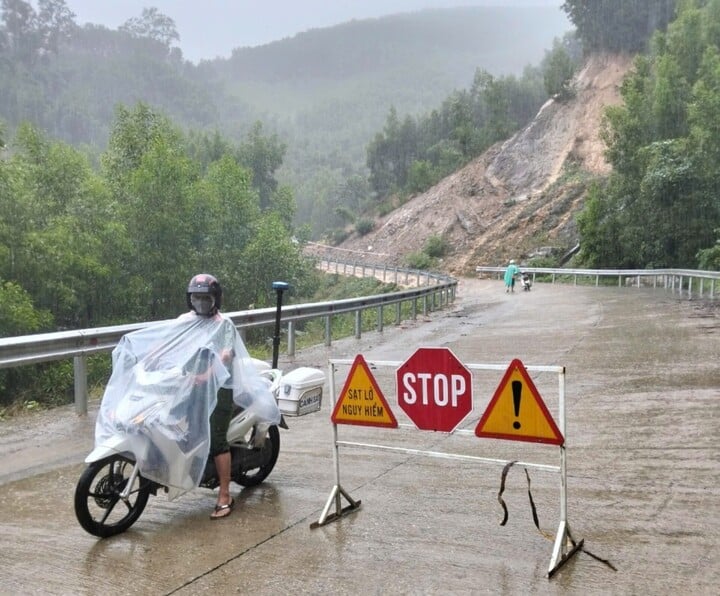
[(564, 546)]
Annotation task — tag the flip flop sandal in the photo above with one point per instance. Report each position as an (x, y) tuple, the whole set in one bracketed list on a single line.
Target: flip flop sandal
[(219, 508)]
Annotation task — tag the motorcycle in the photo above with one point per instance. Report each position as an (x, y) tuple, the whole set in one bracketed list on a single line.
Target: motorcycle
[(123, 472), (525, 282), (152, 433)]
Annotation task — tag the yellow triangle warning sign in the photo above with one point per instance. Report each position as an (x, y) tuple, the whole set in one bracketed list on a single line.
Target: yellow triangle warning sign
[(361, 402), (517, 412)]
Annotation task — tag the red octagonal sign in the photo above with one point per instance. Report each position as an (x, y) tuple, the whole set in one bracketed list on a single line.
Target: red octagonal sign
[(434, 389)]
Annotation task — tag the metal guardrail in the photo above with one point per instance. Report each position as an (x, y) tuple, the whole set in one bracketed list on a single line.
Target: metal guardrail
[(437, 292), (433, 289), (686, 282), (385, 273)]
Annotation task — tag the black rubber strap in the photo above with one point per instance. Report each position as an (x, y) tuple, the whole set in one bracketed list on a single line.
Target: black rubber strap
[(505, 471), (503, 477)]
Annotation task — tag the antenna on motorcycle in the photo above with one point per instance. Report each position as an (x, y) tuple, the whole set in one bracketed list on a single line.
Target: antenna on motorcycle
[(279, 287)]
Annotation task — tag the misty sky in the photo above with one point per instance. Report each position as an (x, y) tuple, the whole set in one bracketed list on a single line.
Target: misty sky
[(212, 28)]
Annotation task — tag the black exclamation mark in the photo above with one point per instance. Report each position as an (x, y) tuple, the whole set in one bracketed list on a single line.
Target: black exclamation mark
[(517, 391)]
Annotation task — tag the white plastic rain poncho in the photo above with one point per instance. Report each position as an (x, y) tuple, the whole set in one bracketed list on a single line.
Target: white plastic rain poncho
[(164, 387)]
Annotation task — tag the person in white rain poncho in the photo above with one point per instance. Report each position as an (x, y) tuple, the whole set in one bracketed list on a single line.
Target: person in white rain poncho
[(194, 368)]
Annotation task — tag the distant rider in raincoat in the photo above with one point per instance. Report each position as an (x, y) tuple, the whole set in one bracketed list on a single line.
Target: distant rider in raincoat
[(510, 274)]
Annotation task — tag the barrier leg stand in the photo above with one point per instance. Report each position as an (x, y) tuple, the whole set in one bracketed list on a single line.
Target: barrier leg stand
[(337, 491), (565, 547), (563, 550), (340, 511)]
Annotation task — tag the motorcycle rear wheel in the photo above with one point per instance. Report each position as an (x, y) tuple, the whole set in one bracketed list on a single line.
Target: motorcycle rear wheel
[(98, 506), (263, 460)]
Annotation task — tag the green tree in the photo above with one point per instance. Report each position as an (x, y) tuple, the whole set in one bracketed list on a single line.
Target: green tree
[(160, 220), (229, 208), (27, 34), (599, 229), (421, 176), (618, 25), (271, 256), (709, 258), (59, 229), (262, 155), (18, 316), (55, 24), (154, 25), (558, 72), (383, 157), (661, 207), (131, 136), (19, 27)]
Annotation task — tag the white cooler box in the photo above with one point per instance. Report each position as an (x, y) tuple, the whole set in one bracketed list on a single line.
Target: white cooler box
[(301, 391)]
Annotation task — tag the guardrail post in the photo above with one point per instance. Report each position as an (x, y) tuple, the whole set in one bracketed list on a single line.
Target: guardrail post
[(414, 309), (380, 318), (398, 310), (328, 331), (358, 324), (425, 309), (80, 377), (291, 338)]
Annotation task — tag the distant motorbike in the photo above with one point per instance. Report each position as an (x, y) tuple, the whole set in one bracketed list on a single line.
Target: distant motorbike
[(525, 282)]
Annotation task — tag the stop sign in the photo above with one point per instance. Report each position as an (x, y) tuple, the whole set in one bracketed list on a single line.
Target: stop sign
[(434, 389)]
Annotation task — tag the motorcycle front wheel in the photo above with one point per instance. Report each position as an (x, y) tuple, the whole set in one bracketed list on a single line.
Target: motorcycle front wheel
[(98, 506), (252, 466)]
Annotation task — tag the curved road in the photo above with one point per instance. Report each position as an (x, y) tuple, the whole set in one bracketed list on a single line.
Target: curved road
[(643, 407)]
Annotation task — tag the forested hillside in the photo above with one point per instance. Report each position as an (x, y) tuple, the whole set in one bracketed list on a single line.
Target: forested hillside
[(325, 92), (107, 207), (650, 121)]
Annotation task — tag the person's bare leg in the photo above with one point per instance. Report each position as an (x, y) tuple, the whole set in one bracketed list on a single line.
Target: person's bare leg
[(222, 464)]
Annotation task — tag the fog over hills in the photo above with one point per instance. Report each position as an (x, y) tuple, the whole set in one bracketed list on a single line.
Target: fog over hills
[(214, 28)]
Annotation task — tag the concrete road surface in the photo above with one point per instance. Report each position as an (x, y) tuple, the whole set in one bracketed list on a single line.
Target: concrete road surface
[(643, 459)]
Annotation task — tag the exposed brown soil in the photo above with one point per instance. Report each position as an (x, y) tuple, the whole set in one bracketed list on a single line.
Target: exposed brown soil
[(520, 197)]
